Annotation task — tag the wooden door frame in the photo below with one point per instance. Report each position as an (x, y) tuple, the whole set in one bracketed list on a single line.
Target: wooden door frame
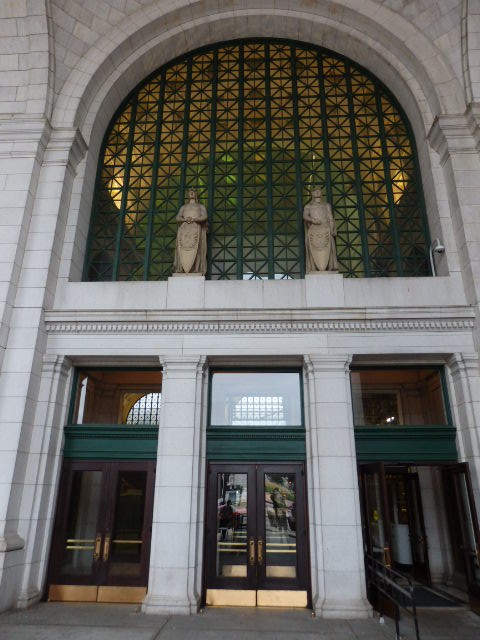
[(87, 588)]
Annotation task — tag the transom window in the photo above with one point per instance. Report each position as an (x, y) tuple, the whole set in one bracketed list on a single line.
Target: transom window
[(116, 396), (392, 397), (254, 126), (255, 399)]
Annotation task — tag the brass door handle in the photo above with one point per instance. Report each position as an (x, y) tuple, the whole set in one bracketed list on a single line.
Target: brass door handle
[(98, 546), (106, 548), (260, 551), (251, 551)]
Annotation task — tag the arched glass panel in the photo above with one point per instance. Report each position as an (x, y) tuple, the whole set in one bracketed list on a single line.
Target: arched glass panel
[(254, 126), (146, 410)]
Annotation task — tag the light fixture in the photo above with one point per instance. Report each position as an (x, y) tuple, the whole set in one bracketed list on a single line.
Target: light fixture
[(436, 247)]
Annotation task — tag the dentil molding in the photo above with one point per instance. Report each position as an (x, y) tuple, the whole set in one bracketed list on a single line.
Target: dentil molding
[(260, 327)]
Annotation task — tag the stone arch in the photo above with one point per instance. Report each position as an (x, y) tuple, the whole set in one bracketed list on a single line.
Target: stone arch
[(96, 88), (377, 38)]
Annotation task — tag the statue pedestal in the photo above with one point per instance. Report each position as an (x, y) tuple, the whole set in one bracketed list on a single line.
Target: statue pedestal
[(324, 289), (186, 291), (187, 275), (321, 273)]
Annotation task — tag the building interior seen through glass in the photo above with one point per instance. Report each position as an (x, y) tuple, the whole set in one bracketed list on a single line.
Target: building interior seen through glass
[(255, 398), (254, 126), (400, 396), (115, 396)]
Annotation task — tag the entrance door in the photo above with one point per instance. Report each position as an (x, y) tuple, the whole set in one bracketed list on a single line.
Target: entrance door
[(393, 519), (376, 519), (101, 544), (256, 537), (417, 532), (463, 527)]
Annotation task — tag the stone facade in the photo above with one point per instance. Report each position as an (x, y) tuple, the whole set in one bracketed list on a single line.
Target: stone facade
[(65, 67)]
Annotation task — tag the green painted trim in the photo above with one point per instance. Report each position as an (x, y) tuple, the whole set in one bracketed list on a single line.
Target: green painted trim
[(406, 444), (255, 444), (111, 442)]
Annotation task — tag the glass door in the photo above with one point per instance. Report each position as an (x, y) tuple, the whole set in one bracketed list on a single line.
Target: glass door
[(256, 535), (463, 526), (101, 544), (417, 532), (376, 520)]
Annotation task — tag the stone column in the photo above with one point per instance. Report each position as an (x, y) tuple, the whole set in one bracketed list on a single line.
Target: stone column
[(336, 548), (465, 375), (21, 373), (44, 462), (177, 532), (456, 138), (22, 146)]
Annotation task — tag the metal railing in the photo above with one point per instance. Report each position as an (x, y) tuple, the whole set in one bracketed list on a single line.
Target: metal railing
[(396, 587)]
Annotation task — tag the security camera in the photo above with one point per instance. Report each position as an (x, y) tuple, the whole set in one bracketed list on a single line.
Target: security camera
[(437, 246)]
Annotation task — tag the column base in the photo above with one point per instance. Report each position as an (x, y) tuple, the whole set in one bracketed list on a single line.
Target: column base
[(163, 606), (344, 609), (29, 598)]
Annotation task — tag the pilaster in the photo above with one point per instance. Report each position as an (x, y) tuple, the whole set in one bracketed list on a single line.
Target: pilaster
[(338, 580), (44, 463), (22, 367), (177, 529), (456, 138), (464, 371)]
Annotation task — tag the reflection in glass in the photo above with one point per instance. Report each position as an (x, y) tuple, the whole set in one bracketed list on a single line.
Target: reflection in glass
[(256, 399), (126, 542), (471, 539), (231, 552), (375, 516), (402, 537), (81, 523), (391, 397), (280, 525)]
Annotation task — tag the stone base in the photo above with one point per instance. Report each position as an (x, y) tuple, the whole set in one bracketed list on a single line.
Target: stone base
[(322, 273), (165, 606), (11, 542), (29, 598), (344, 609), (187, 275)]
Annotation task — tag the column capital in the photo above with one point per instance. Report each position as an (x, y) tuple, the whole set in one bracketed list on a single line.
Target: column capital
[(328, 363), (66, 147), (464, 363), (55, 363), (22, 137), (453, 134), (182, 363)]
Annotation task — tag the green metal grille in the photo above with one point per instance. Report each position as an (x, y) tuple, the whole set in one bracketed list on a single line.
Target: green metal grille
[(254, 126)]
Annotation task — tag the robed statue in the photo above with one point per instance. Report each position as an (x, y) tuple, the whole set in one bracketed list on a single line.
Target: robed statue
[(320, 232), (191, 245)]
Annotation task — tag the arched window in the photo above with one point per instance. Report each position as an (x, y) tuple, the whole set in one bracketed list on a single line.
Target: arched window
[(254, 126), (145, 410)]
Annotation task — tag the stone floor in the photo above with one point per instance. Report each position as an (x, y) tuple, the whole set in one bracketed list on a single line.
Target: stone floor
[(59, 621)]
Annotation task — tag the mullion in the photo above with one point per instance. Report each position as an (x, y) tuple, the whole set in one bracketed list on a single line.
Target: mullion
[(121, 212), (153, 191)]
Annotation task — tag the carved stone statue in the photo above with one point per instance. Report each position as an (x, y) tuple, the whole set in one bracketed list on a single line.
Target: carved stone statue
[(320, 232), (191, 246)]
